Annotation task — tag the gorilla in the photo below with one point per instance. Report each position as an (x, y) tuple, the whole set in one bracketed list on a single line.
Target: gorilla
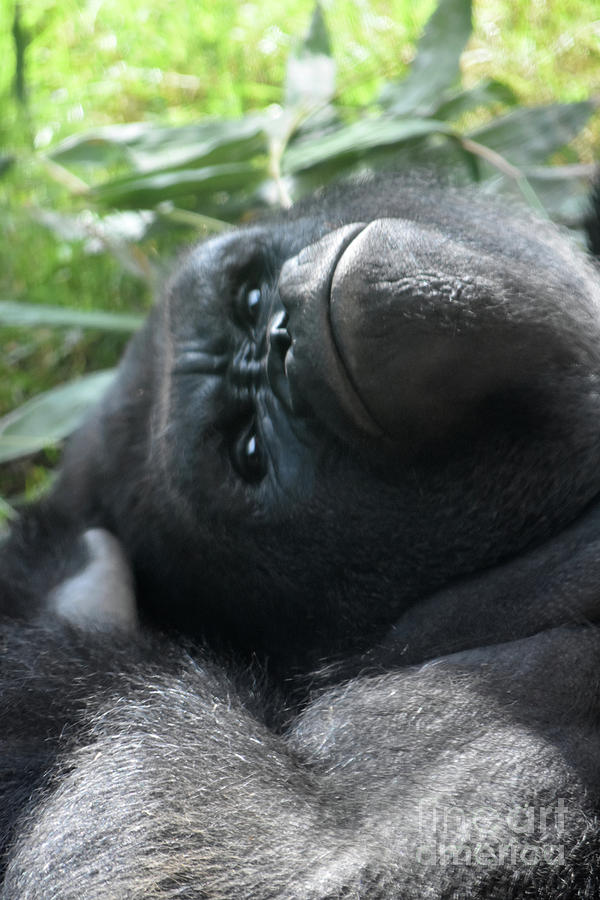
[(310, 611)]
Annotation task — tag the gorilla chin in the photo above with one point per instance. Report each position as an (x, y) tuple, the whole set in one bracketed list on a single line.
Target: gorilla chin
[(351, 441)]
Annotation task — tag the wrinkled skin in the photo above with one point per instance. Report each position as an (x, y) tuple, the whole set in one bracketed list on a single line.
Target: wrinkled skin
[(361, 441)]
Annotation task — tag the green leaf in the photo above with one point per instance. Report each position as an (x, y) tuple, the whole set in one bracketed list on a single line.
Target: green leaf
[(102, 146), (51, 416), (149, 148), (32, 315), (486, 93), (530, 135), (353, 140), (6, 161), (7, 512), (317, 37), (150, 189), (435, 67), (563, 191), (190, 219), (310, 75), (216, 141)]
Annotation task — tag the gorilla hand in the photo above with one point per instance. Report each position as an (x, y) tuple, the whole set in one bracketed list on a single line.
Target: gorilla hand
[(101, 595)]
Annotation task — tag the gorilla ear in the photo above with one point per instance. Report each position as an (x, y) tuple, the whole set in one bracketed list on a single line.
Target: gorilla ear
[(101, 595)]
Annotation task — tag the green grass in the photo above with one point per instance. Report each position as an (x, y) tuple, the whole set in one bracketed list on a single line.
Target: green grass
[(90, 63)]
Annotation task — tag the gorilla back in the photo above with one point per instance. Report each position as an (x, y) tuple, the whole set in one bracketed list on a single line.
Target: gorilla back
[(361, 435)]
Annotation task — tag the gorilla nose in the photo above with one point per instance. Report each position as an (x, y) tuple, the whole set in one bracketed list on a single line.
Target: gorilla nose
[(400, 330), (365, 354)]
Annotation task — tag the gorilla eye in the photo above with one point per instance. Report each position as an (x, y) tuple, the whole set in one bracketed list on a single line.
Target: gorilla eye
[(253, 301), (250, 305), (248, 455)]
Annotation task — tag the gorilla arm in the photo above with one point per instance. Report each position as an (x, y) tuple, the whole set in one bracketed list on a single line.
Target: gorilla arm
[(554, 584), (171, 786)]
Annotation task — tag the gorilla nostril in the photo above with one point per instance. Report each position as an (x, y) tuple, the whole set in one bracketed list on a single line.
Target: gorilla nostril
[(278, 344), (279, 337), (279, 321)]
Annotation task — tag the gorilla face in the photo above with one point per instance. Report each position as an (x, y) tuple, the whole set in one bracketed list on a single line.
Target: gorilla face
[(331, 415)]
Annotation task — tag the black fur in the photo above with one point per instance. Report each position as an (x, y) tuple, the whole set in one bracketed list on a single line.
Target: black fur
[(368, 498)]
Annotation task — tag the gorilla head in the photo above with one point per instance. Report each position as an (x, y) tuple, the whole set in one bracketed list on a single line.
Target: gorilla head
[(332, 414)]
